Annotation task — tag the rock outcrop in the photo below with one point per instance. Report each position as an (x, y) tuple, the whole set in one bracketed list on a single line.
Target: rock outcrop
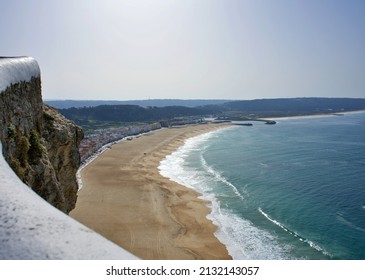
[(39, 144), (62, 138)]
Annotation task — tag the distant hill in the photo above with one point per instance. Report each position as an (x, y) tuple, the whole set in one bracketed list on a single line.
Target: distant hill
[(237, 110), (131, 113), (294, 106), (65, 104)]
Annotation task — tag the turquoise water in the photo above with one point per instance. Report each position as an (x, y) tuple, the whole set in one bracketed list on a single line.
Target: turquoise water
[(294, 190)]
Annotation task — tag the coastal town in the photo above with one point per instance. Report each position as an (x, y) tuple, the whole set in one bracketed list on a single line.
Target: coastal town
[(94, 141), (100, 137)]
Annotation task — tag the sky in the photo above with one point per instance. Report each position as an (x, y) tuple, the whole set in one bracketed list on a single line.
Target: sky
[(190, 49)]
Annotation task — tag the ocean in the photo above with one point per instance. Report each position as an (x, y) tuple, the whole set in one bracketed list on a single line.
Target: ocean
[(294, 190)]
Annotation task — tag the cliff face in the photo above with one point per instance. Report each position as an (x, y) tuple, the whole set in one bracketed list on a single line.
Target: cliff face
[(62, 138), (39, 144)]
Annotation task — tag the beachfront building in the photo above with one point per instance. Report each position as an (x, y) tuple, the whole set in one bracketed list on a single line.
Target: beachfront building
[(101, 137)]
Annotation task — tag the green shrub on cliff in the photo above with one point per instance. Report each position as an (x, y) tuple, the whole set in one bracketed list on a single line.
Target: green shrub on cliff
[(36, 148), (23, 146), (48, 120), (16, 166), (11, 131)]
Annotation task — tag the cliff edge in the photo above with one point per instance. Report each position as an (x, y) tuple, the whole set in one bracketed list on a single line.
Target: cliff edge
[(40, 145)]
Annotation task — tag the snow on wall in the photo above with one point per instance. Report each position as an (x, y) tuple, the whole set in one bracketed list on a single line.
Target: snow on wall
[(17, 69), (30, 228)]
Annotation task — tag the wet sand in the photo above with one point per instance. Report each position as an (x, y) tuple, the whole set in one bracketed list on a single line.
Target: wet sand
[(125, 199)]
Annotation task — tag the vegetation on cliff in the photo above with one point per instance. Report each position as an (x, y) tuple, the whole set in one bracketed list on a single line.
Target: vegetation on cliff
[(39, 144)]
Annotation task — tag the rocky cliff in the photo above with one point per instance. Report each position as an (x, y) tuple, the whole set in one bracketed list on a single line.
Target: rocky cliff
[(39, 144), (42, 148)]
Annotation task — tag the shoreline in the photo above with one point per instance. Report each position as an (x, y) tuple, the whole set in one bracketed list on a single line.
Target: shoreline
[(128, 201)]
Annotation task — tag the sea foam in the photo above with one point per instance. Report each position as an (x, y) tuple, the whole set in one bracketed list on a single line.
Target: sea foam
[(242, 239), (219, 177), (293, 233)]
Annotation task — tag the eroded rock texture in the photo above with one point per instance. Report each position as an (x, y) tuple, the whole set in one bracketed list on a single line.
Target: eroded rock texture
[(39, 144)]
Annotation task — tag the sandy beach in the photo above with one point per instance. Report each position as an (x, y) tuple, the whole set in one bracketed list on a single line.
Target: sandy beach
[(125, 199)]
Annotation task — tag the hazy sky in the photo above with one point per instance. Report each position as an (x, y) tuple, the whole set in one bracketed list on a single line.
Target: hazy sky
[(221, 49)]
